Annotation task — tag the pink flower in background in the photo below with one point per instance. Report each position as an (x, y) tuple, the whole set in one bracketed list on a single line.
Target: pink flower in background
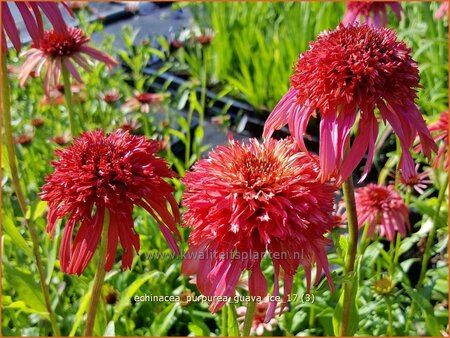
[(373, 12), (143, 101), (247, 199), (259, 326), (31, 14), (384, 210), (346, 74), (439, 130), (62, 139), (100, 173), (111, 96), (442, 10), (56, 94), (56, 50), (419, 182)]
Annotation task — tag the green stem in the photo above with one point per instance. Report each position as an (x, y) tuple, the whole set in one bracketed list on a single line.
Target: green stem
[(363, 243), (427, 253), (312, 317), (431, 235), (69, 101), (349, 198), (412, 310), (224, 331), (20, 195), (397, 167), (398, 242), (99, 277), (248, 321), (187, 154), (390, 318)]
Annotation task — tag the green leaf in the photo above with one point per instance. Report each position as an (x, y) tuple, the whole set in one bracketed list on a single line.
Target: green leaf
[(353, 323), (100, 319), (343, 244), (84, 303), (22, 306), (164, 320), (178, 134), (125, 298), (15, 235), (37, 209), (198, 326), (430, 321), (183, 123), (196, 330), (26, 287), (233, 325), (199, 134)]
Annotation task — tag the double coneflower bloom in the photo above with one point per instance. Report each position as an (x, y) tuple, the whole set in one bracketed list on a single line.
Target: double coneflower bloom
[(384, 211), (344, 76), (247, 199), (101, 174)]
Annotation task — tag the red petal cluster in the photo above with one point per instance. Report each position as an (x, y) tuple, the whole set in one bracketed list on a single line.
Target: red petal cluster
[(247, 199), (114, 172), (349, 72)]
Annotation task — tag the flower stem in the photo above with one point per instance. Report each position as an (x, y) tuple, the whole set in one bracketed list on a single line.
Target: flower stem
[(6, 109), (427, 253), (349, 198), (390, 319), (431, 235), (224, 331), (364, 239), (99, 277), (248, 321), (68, 97)]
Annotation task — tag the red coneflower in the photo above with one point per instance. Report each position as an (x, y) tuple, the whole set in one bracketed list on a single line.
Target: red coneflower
[(258, 325), (419, 181), (62, 140), (247, 199), (374, 12), (57, 50), (442, 10), (31, 15), (384, 210), (175, 45), (130, 125), (101, 173), (439, 130), (23, 139), (111, 96), (37, 122), (351, 69), (143, 101)]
